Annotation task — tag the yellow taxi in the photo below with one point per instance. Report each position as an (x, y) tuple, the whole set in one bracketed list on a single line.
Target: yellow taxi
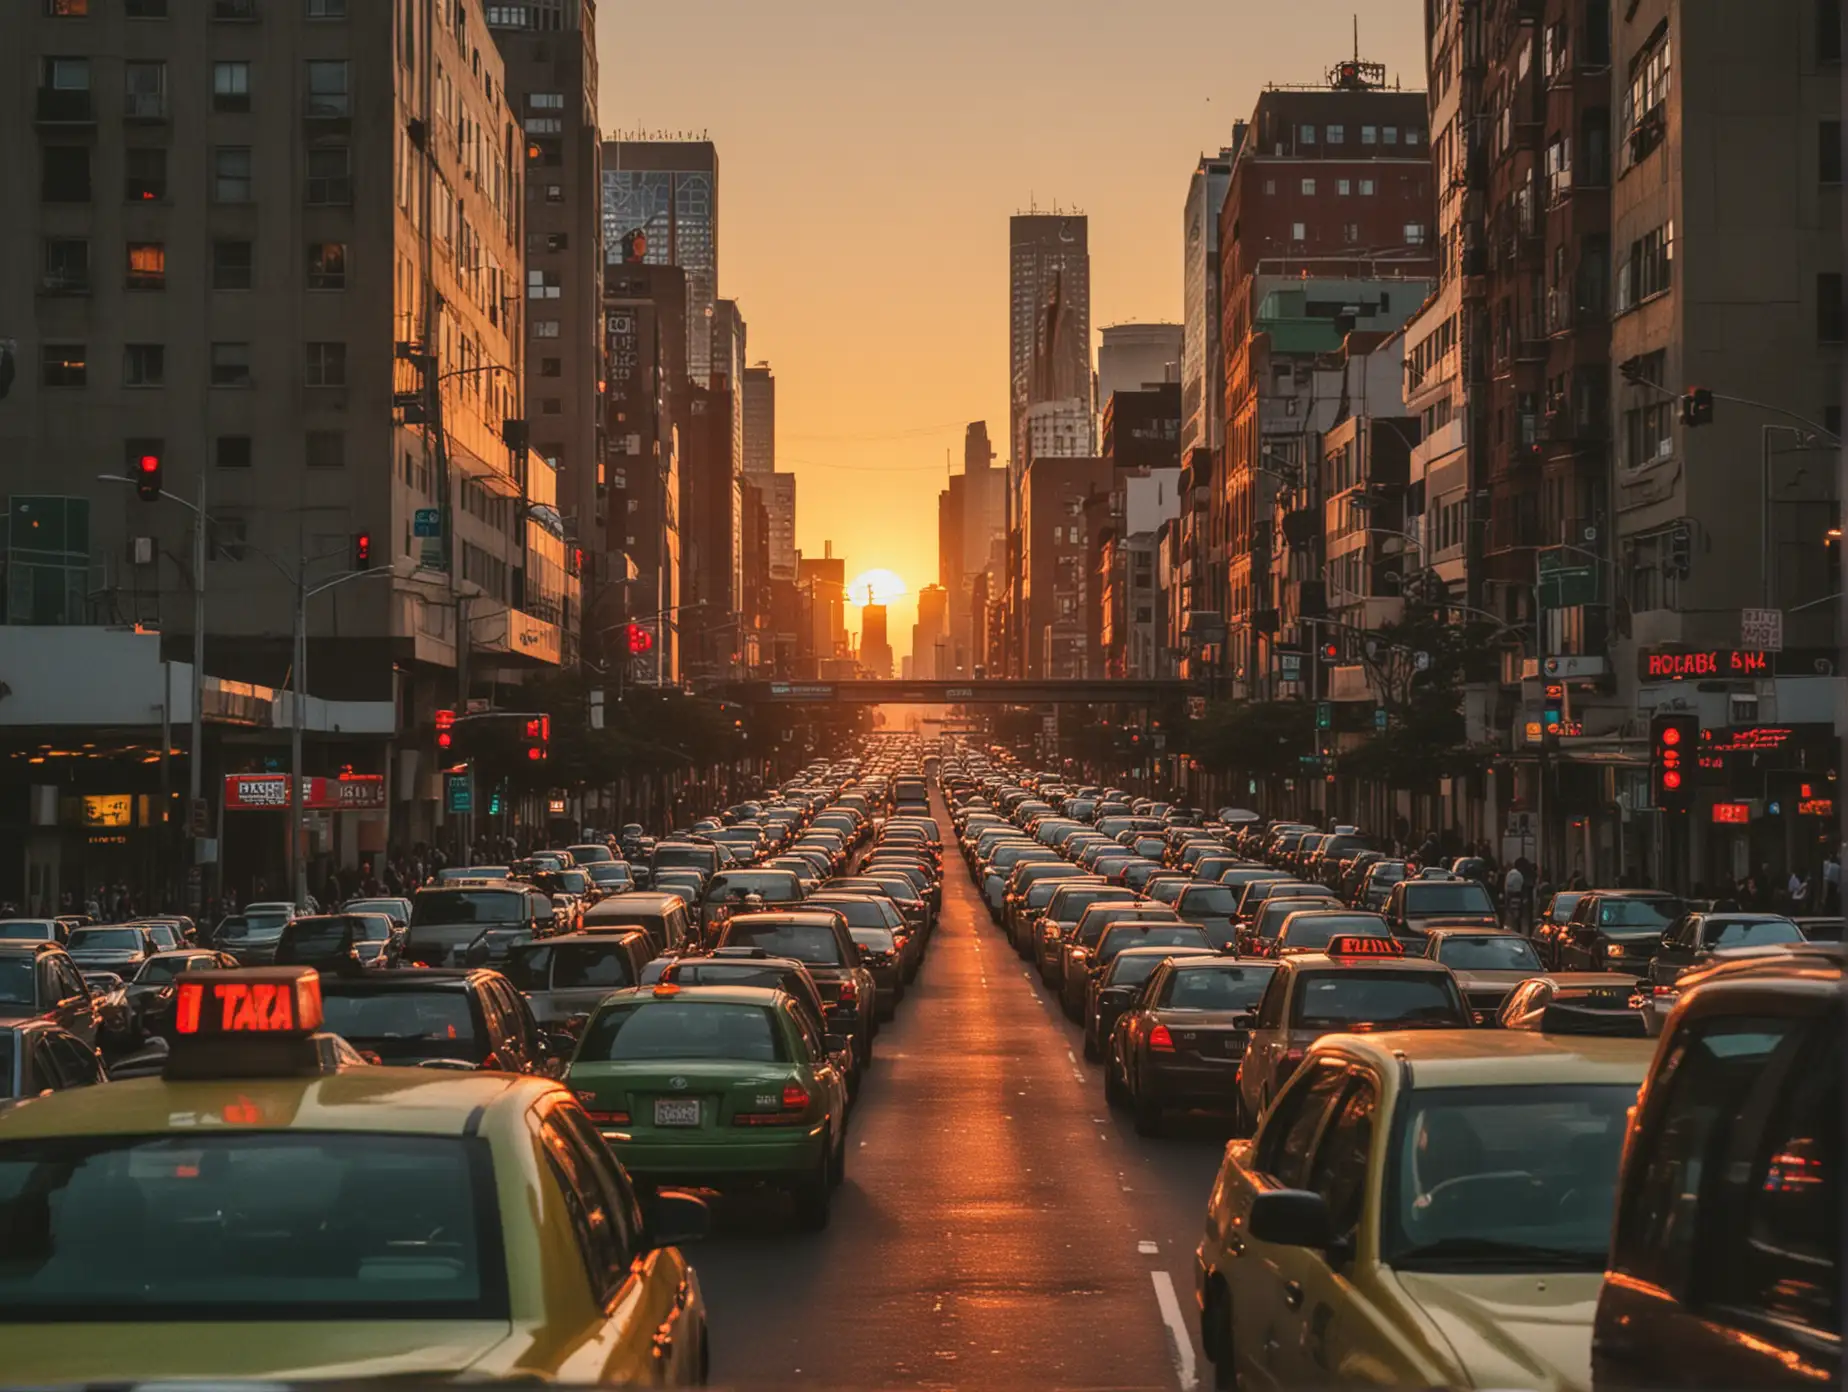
[(1422, 1208), (275, 1207)]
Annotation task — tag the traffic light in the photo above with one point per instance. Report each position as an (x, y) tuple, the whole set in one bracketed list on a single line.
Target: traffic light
[(537, 736), (1696, 407), (362, 551), (1553, 711), (640, 640), (1329, 651), (147, 475), (1673, 757), (445, 729)]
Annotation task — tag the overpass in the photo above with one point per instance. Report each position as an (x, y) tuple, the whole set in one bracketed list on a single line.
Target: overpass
[(967, 691)]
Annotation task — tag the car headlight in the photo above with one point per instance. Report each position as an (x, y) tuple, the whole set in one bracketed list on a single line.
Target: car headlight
[(1613, 950)]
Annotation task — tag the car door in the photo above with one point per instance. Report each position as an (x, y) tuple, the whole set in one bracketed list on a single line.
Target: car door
[(505, 1047), (73, 1063), (1676, 955), (76, 1008), (1269, 1039)]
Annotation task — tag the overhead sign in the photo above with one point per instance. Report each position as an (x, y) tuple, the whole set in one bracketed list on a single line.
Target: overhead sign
[(1762, 628), (1706, 663), (109, 810), (1568, 577), (1816, 807), (349, 792), (427, 522)]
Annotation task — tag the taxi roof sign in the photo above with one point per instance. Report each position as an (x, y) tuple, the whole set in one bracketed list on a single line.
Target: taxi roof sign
[(1359, 945), (274, 1002)]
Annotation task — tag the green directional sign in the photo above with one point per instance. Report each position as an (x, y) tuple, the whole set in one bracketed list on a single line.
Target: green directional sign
[(1568, 577), (461, 792), (1324, 715)]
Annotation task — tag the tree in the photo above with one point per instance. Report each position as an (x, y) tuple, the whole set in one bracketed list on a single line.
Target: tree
[(1426, 737), (1260, 738)]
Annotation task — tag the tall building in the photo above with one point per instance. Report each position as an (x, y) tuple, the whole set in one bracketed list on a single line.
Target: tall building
[(550, 53), (821, 588), (727, 378), (1055, 574), (1203, 360), (648, 406), (875, 647), (1049, 321), (1135, 355), (244, 267), (781, 501), (661, 207), (930, 635), (971, 523), (759, 419)]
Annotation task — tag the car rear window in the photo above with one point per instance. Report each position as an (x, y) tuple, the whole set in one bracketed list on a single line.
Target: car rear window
[(107, 939), (400, 1024), (17, 982), (1155, 935), (1376, 1000), (1752, 933), (1216, 899), (27, 929), (1639, 913), (681, 1029), (158, 970), (255, 1225), (813, 944), (575, 965), (1448, 896), (442, 906), (1216, 988), (1319, 932), (1488, 954)]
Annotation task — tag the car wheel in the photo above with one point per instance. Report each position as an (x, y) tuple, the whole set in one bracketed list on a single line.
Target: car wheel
[(837, 1163), (1216, 1336), (813, 1194), (1116, 1092), (1091, 1053)]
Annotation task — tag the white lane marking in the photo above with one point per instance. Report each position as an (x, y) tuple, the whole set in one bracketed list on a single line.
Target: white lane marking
[(1148, 1247), (1181, 1344), (1070, 1055)]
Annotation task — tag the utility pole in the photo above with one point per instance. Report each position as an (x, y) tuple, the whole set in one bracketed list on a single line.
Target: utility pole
[(195, 760)]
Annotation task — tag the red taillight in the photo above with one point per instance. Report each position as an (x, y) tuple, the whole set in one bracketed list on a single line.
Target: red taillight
[(609, 1118), (1160, 1040), (795, 1097), (850, 993)]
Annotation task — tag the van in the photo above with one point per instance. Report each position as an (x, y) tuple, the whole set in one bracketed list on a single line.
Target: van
[(663, 917), (563, 978), (445, 919)]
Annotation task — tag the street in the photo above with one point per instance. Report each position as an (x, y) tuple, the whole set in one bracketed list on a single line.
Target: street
[(998, 1225)]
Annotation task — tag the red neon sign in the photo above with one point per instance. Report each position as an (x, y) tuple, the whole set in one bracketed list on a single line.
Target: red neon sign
[(1732, 813), (1711, 662)]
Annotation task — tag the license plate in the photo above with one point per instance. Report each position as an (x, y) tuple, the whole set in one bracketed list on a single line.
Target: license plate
[(673, 1112)]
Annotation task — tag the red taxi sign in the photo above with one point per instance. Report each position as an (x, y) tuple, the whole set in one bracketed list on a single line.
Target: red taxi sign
[(271, 1001), (1359, 945)]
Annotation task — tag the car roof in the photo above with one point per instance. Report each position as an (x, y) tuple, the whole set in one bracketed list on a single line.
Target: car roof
[(1632, 893), (1467, 930), (637, 898), (725, 995), (1497, 1058), (1314, 961), (402, 979), (403, 1100), (1172, 950), (805, 918), (615, 932)]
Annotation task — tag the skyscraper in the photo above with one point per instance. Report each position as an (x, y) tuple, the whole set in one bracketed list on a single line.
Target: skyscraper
[(971, 521), (875, 647), (1203, 360), (759, 419), (1049, 320), (661, 206), (1133, 356)]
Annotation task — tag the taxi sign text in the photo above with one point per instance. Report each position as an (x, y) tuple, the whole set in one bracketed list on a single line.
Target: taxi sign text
[(1355, 945), (260, 1002)]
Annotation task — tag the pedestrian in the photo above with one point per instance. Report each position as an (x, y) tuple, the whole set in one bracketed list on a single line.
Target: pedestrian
[(1796, 890), (1514, 898)]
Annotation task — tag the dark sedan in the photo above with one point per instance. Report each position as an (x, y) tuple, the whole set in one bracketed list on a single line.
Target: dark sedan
[(119, 948), (1180, 1043), (1120, 984), (1616, 930)]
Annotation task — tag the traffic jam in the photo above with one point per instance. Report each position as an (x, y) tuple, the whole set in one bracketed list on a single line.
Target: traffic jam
[(476, 1132)]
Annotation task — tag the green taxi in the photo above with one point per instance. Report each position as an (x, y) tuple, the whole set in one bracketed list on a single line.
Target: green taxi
[(716, 1085), (275, 1208), (1421, 1208)]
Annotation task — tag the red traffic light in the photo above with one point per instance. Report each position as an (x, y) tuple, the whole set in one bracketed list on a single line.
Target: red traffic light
[(1331, 652), (147, 477), (536, 753), (445, 729), (640, 640), (1671, 778), (538, 732), (362, 550), (1671, 736)]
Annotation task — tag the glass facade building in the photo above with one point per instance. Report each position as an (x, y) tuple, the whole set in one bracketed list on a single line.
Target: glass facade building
[(665, 216)]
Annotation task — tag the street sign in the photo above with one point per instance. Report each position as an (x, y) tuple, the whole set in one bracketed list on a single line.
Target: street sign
[(461, 792), (1379, 717), (1568, 578), (1762, 629), (1290, 666), (596, 708), (427, 522)]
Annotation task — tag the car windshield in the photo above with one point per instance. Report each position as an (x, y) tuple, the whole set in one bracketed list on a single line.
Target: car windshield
[(1070, 903), (1448, 896), (1751, 933), (1215, 988), (1639, 913), (1373, 999), (681, 1029), (695, 857), (1563, 904), (1489, 953), (1504, 1178), (1155, 935), (158, 971), (401, 1025), (18, 981), (811, 943), (483, 906), (1216, 899), (106, 940), (1313, 930), (256, 1225)]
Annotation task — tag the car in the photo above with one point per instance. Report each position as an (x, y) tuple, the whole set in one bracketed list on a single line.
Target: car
[(1365, 983), (883, 955), (116, 947), (752, 966), (1593, 1001), (1551, 922), (1725, 1248), (1258, 936), (1070, 898), (41, 981), (1819, 927), (1616, 930), (1075, 966), (438, 1222), (1488, 963), (1415, 904), (1311, 927), (1376, 883), (38, 1058), (1214, 906), (445, 919), (1696, 939), (821, 939), (1252, 897), (563, 978), (1421, 1210), (395, 907), (714, 1085), (666, 918), (438, 1018), (149, 993), (116, 1023), (610, 876), (1119, 937), (591, 853), (1179, 1042), (49, 930), (737, 891), (1120, 983)]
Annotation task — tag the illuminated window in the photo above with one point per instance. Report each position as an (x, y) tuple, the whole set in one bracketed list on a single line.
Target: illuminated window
[(147, 266)]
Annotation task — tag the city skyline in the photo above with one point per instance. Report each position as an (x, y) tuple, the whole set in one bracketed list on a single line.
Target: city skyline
[(872, 139)]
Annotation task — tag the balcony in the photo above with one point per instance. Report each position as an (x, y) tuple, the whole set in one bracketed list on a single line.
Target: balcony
[(58, 283), (63, 106)]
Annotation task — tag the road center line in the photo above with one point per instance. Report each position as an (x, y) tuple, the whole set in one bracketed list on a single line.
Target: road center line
[(1181, 1345)]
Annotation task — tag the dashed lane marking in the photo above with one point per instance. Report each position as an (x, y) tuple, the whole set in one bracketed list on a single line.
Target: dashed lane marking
[(1180, 1344), (1148, 1247)]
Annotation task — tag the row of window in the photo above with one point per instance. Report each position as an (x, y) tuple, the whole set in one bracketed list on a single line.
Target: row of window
[(67, 175), (1414, 233), (1369, 135), (65, 86), (67, 365), (237, 10), (66, 266)]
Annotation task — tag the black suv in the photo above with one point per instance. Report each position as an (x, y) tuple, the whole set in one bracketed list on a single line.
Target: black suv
[(434, 1018), (40, 981), (1615, 930)]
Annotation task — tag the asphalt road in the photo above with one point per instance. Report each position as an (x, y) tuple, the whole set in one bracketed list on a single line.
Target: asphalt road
[(998, 1226)]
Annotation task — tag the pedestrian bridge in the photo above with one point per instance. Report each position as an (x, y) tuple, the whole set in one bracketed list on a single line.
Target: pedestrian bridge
[(967, 691)]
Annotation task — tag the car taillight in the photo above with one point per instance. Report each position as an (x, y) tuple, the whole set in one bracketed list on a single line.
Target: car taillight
[(849, 994), (795, 1097), (608, 1118), (1160, 1040)]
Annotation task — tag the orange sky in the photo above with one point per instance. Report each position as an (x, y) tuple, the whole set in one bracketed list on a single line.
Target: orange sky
[(870, 153)]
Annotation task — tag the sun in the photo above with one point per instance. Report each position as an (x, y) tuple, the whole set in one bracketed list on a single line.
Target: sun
[(886, 586)]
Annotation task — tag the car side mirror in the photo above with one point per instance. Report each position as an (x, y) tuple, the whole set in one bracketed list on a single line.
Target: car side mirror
[(1291, 1218), (1247, 1020), (673, 1216)]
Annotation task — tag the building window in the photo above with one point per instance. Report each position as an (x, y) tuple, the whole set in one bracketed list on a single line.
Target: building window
[(231, 181), (67, 9), (542, 285), (63, 365), (144, 365), (231, 452), (1309, 188), (231, 265), (65, 174), (545, 328), (1648, 421), (551, 406), (545, 101), (1298, 233), (1414, 234), (330, 176), (1270, 186), (555, 193), (326, 365), (508, 17), (327, 9), (145, 9), (1645, 100), (1389, 135), (328, 98), (144, 89), (1343, 187), (327, 265), (545, 125), (1830, 314), (237, 11), (1829, 152), (230, 86), (145, 179), (147, 266), (326, 449), (1307, 135), (1350, 233), (66, 269), (1366, 188), (1337, 135), (551, 367), (1369, 135), (1648, 269), (231, 365), (226, 536)]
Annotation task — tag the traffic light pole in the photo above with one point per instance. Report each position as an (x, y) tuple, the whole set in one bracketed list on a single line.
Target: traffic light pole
[(195, 761)]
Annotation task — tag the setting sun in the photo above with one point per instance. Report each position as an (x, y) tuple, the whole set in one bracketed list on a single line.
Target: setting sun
[(886, 586)]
